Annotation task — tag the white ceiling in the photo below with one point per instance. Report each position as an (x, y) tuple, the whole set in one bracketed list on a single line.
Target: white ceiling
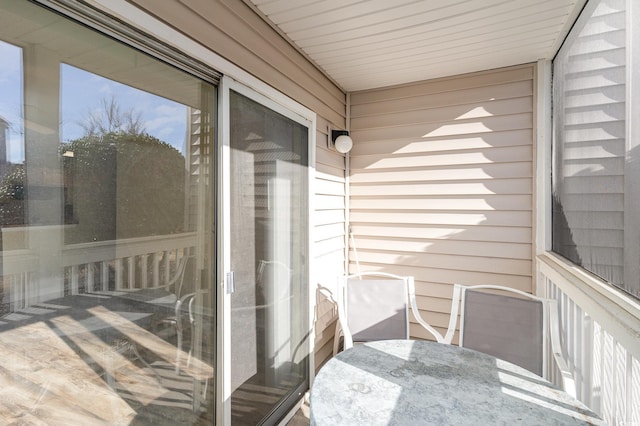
[(364, 44)]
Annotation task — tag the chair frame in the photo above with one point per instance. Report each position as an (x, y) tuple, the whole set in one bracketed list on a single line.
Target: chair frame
[(550, 331), (342, 327), (177, 282)]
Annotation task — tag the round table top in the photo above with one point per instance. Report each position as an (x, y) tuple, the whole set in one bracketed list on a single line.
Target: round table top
[(413, 382)]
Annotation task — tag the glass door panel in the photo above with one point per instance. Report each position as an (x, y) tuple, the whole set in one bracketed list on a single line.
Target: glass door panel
[(269, 246), (107, 261)]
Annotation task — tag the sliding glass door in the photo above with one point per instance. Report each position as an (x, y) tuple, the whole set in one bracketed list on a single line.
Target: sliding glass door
[(110, 312), (267, 276)]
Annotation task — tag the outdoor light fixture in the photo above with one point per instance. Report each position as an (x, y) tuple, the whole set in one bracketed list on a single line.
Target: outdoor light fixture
[(341, 141)]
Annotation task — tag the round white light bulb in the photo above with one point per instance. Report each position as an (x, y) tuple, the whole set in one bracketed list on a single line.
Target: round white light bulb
[(343, 144)]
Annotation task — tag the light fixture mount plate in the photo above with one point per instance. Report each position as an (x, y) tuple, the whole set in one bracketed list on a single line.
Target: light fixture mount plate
[(339, 140)]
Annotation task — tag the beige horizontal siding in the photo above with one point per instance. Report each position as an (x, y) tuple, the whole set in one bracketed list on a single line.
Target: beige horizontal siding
[(506, 107), (497, 218), (441, 184), (445, 85), (461, 233), (329, 187), (412, 146), (473, 202), (493, 186), (328, 216), (446, 99), (329, 239), (450, 247), (445, 275), (446, 261), (444, 128), (444, 172), (477, 156)]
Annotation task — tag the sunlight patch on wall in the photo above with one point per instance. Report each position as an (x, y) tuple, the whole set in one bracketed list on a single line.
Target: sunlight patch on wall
[(475, 113), (449, 129)]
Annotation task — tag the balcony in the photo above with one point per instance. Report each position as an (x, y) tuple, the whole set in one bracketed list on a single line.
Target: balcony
[(450, 180)]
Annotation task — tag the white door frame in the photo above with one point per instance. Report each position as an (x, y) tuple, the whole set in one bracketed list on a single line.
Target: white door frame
[(301, 115)]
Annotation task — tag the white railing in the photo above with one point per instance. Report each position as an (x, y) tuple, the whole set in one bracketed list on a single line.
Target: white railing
[(128, 264), (18, 270), (601, 338), (102, 266)]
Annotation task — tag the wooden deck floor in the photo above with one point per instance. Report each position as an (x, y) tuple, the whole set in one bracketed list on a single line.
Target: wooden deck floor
[(301, 418)]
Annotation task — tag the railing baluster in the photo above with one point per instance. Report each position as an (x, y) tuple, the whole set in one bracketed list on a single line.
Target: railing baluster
[(156, 270), (29, 297), (17, 292), (587, 362), (144, 275), (23, 293), (119, 267), (90, 280), (104, 278), (132, 272), (15, 295), (167, 268), (74, 279)]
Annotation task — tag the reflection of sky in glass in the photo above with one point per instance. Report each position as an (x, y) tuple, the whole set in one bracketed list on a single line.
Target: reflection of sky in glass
[(11, 99), (82, 94)]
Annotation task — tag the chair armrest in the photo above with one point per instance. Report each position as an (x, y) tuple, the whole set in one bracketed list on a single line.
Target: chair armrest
[(342, 327), (416, 312), (182, 300), (453, 317)]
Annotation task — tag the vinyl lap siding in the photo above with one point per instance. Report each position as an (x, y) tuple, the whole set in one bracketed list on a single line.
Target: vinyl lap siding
[(441, 184), (329, 237), (234, 31)]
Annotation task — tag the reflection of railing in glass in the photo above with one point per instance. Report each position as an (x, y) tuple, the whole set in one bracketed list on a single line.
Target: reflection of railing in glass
[(92, 267)]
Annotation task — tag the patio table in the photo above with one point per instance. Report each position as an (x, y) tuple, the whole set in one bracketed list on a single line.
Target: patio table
[(412, 382)]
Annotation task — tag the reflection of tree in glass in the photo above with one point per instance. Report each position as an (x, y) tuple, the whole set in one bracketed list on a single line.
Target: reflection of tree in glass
[(12, 196), (112, 119), (121, 182)]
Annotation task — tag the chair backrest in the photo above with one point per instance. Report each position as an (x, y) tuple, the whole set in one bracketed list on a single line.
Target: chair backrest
[(506, 327), (183, 281), (377, 309), (504, 322), (189, 276), (373, 306), (514, 326)]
